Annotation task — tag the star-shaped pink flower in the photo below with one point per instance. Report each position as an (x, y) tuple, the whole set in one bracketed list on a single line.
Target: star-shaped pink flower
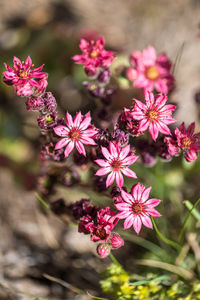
[(77, 133), (24, 79), (184, 139), (93, 54), (136, 209), (155, 115), (150, 71), (116, 162)]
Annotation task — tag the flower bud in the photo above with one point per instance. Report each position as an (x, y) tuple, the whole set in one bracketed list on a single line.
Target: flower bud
[(116, 241), (91, 72), (47, 121), (49, 102), (131, 74), (103, 250), (104, 76), (34, 103)]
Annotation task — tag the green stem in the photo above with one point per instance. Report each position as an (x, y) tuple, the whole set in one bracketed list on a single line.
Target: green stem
[(181, 236), (115, 261), (42, 201), (162, 237)]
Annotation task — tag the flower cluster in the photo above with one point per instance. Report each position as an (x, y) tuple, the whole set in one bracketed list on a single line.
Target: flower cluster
[(155, 115), (108, 150), (149, 71), (99, 223), (116, 162), (94, 55), (77, 132), (26, 81), (184, 139), (136, 208)]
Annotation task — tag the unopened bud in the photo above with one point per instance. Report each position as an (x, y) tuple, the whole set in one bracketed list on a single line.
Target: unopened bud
[(103, 250), (116, 241)]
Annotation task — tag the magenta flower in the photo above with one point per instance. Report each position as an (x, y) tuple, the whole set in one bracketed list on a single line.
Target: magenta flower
[(150, 71), (77, 133), (99, 223), (116, 163), (155, 114), (24, 79), (94, 55), (136, 209), (186, 140)]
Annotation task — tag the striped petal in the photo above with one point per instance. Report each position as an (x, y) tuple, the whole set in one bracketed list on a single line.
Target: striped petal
[(69, 149), (62, 143)]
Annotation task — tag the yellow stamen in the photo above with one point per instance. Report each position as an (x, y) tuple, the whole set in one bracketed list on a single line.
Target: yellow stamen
[(152, 73)]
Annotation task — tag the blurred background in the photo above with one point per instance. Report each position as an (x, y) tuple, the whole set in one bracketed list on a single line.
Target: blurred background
[(31, 242)]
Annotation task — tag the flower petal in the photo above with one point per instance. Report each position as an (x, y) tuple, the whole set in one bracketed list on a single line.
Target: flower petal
[(62, 143), (163, 128), (152, 202), (123, 206), (119, 179), (137, 224), (147, 221), (143, 124), (80, 148), (152, 212), (153, 130), (127, 197), (123, 214), (77, 119), (145, 194), (87, 140), (137, 191), (128, 222), (110, 179), (69, 148), (124, 152), (86, 122), (128, 172), (106, 153), (103, 171), (113, 149), (61, 130), (69, 120), (102, 163)]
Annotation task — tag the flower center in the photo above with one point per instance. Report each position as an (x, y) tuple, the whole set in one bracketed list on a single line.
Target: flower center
[(101, 233), (152, 114), (94, 54), (74, 134), (152, 73), (137, 208), (23, 74), (116, 165), (186, 142), (49, 120)]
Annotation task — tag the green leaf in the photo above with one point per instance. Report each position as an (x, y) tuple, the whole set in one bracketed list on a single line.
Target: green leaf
[(159, 278)]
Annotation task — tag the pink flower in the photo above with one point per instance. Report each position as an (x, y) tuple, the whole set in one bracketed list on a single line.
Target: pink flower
[(117, 161), (93, 54), (99, 223), (155, 114), (186, 140), (150, 71), (24, 79), (136, 208), (77, 133), (103, 250)]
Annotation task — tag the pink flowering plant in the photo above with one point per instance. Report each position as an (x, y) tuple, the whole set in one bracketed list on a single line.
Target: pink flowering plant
[(110, 152)]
